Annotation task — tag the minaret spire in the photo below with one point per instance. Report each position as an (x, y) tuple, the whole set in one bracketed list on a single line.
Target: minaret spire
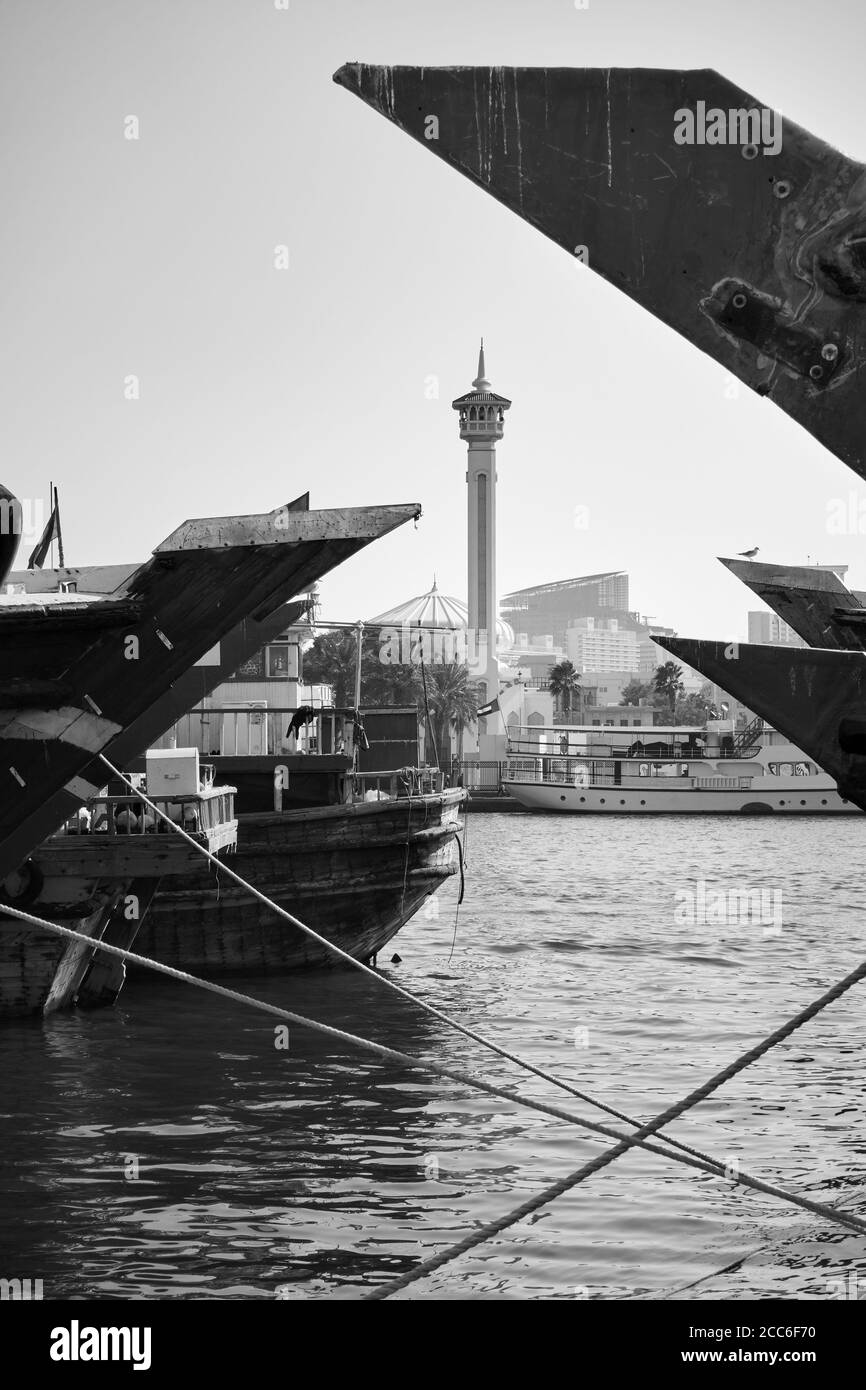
[(481, 383)]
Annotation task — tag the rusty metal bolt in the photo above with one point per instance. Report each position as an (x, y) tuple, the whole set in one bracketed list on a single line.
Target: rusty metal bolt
[(750, 151), (781, 188), (816, 372), (829, 352), (739, 301)]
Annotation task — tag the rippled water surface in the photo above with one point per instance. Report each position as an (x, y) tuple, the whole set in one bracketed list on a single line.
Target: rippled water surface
[(320, 1171)]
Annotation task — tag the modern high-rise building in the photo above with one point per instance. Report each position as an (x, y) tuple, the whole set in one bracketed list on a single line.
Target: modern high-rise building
[(768, 629), (546, 610), (482, 424), (601, 644)]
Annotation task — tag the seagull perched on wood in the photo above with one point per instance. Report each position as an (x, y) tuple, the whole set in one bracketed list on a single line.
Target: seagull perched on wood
[(749, 554)]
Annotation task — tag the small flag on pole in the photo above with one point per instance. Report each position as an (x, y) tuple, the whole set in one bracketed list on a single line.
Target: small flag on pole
[(51, 533), (490, 708)]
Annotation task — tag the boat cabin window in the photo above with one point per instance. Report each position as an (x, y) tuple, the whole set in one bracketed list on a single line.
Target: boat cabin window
[(278, 661), (800, 769), (664, 770)]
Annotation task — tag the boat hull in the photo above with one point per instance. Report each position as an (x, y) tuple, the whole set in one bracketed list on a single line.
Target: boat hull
[(40, 972), (680, 801), (354, 874)]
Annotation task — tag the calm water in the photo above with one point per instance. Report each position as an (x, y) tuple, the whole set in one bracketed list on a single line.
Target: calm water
[(321, 1172)]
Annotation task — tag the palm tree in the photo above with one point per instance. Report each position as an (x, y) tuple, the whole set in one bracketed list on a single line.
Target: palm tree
[(333, 658), (667, 682), (452, 697), (564, 682), (696, 709), (636, 692)]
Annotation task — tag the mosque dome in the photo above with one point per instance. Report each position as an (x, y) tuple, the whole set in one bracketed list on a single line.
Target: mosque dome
[(437, 611)]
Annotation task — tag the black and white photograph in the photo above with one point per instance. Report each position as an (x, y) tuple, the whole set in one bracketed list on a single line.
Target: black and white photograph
[(432, 671)]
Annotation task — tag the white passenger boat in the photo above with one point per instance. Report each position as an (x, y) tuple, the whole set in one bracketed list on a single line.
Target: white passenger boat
[(680, 770)]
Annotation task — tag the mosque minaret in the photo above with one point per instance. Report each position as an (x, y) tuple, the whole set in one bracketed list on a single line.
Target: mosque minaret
[(482, 423)]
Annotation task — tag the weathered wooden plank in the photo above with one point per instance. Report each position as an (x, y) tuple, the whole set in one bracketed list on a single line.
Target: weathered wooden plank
[(288, 526)]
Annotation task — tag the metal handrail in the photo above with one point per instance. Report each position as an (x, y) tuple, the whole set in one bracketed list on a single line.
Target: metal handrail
[(675, 752), (401, 782), (112, 816), (271, 719), (560, 778)]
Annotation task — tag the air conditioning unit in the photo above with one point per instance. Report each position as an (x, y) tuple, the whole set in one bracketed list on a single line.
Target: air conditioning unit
[(172, 771)]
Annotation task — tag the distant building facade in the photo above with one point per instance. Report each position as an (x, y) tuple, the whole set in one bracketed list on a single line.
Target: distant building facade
[(601, 644), (768, 629), (604, 687), (546, 610)]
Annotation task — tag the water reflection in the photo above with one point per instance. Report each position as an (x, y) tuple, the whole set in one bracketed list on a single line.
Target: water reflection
[(168, 1148)]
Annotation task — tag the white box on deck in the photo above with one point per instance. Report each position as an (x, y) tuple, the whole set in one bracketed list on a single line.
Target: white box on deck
[(172, 771)]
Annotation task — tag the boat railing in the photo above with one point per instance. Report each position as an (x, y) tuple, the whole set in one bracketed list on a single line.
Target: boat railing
[(656, 750), (264, 730), (396, 784), (573, 772), (724, 783), (205, 812), (483, 776)]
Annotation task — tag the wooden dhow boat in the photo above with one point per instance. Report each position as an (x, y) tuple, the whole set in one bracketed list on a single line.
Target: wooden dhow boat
[(352, 854), (72, 685), (355, 872), (97, 875)]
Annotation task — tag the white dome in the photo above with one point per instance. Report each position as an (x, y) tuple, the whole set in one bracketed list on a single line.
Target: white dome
[(438, 612)]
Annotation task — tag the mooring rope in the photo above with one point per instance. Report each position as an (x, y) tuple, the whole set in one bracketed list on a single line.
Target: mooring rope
[(711, 1166), (431, 1009), (673, 1112)]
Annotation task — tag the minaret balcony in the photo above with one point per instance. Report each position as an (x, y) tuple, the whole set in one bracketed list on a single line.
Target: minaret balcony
[(481, 429)]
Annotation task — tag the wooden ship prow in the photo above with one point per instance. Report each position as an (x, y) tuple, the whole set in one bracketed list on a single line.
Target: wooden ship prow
[(74, 675), (815, 602), (816, 698), (754, 250)]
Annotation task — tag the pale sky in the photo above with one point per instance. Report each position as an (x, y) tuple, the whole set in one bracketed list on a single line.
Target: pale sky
[(155, 257)]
